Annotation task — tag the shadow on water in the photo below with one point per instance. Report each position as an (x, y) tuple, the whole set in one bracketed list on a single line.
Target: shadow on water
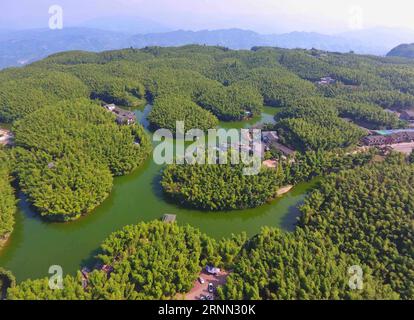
[(92, 259), (157, 188), (27, 209), (158, 192), (24, 212), (182, 208), (289, 221)]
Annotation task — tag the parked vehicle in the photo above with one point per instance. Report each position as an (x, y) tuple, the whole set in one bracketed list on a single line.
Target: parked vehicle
[(201, 280), (210, 287)]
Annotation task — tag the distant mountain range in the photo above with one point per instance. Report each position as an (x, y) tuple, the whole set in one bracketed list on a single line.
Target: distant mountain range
[(244, 39), (130, 25), (402, 51), (21, 47)]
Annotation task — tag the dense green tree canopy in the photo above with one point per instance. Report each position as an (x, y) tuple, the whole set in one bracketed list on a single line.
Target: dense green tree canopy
[(37, 88), (159, 260), (314, 123), (84, 125), (279, 87), (67, 154), (313, 133), (7, 199), (39, 289), (171, 108), (150, 261), (365, 114), (299, 265), (234, 102), (117, 82), (68, 148), (63, 188), (394, 100), (313, 164), (305, 65), (368, 115), (225, 82), (220, 187), (368, 213)]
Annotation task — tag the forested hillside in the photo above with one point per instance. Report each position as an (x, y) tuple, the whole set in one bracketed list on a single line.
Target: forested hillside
[(403, 51), (369, 213), (297, 266), (150, 261), (220, 187), (230, 85), (169, 109), (355, 217), (197, 84), (67, 149), (225, 82), (7, 199), (67, 153)]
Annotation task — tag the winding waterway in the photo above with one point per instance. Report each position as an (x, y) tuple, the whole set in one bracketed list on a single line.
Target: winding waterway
[(35, 245)]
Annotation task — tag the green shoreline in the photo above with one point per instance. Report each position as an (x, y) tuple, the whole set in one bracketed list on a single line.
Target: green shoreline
[(35, 244)]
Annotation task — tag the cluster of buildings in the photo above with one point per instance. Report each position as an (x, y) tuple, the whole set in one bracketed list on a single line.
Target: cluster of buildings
[(123, 117), (270, 141), (389, 137), (396, 137), (407, 115)]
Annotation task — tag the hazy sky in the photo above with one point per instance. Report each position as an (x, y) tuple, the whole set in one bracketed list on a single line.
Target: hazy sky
[(266, 16)]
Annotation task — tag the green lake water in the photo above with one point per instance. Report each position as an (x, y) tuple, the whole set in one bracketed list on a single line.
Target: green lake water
[(35, 245)]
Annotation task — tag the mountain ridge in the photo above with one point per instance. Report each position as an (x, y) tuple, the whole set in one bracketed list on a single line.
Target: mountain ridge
[(18, 48), (405, 50)]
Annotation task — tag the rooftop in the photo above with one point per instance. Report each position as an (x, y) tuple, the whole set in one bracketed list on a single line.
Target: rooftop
[(168, 218), (122, 116), (285, 150), (408, 112), (270, 135), (390, 132)]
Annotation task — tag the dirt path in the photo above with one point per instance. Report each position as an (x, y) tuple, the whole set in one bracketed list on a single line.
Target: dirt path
[(4, 239), (284, 190), (403, 147), (5, 136)]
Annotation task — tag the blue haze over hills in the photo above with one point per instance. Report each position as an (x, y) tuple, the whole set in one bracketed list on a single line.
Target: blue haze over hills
[(20, 47)]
